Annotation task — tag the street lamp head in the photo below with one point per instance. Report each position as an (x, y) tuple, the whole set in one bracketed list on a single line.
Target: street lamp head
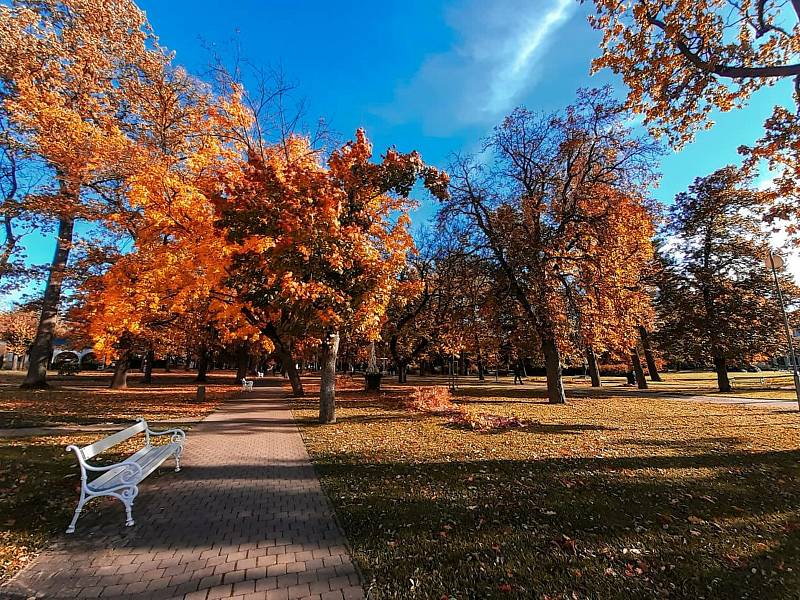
[(773, 261)]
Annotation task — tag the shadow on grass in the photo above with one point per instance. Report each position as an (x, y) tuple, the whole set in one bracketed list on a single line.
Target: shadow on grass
[(698, 525)]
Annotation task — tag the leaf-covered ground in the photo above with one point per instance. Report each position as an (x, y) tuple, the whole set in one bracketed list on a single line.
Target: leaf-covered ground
[(609, 496), (40, 482), (85, 398)]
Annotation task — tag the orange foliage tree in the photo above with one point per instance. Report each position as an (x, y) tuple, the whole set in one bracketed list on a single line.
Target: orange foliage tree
[(170, 283), (541, 209), (681, 59), (67, 67), (318, 244)]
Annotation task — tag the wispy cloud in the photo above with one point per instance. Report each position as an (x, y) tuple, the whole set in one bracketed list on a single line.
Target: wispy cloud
[(497, 55), (522, 54)]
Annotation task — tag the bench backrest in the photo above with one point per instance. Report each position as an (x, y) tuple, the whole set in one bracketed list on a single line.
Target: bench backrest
[(99, 446)]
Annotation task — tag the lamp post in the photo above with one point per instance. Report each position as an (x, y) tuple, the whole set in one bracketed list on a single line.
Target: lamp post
[(775, 262)]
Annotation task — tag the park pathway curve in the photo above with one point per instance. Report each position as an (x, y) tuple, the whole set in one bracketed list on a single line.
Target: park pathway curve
[(245, 518)]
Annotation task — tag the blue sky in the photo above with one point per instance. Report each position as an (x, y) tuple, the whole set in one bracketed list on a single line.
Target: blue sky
[(427, 75)]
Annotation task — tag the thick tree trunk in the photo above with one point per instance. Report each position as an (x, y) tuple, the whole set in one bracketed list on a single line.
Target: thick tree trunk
[(120, 379), (649, 358), (636, 361), (552, 364), (594, 369), (202, 366), (327, 388), (721, 367), (148, 366), (42, 346), (168, 364), (242, 362)]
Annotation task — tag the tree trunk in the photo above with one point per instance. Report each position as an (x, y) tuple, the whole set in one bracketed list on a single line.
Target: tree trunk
[(288, 368), (644, 335), (120, 379), (721, 367), (641, 382), (402, 373), (168, 364), (42, 346), (327, 388), (202, 366), (242, 362), (594, 369), (552, 364), (148, 366)]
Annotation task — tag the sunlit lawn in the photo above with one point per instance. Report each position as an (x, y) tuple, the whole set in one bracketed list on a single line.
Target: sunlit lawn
[(610, 496), (40, 482), (85, 398)]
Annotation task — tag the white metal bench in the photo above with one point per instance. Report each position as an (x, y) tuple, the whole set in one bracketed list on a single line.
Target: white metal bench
[(121, 480), (247, 386)]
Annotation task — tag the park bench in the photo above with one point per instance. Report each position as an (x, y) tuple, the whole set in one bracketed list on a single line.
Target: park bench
[(247, 386), (121, 480), (69, 368)]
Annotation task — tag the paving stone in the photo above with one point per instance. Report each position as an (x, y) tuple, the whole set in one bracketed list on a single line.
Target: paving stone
[(245, 517)]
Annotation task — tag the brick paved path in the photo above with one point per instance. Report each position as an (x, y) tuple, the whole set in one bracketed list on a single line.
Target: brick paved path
[(246, 517)]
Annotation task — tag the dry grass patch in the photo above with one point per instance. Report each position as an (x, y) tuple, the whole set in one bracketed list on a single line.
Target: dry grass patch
[(604, 497), (85, 398)]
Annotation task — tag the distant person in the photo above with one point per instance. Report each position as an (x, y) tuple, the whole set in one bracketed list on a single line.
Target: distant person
[(519, 371)]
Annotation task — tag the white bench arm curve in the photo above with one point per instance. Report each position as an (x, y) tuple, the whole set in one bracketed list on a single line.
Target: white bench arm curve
[(178, 435), (131, 471)]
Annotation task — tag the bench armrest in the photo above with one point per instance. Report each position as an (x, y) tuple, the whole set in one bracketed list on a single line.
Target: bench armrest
[(178, 435), (131, 470)]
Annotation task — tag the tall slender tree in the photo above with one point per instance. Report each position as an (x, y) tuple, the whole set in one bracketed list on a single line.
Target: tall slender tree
[(65, 66)]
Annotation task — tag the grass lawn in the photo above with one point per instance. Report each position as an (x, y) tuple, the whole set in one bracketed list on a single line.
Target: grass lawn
[(85, 398), (613, 495), (40, 482)]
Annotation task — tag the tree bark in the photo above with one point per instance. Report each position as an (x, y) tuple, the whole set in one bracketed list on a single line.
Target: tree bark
[(636, 361), (288, 367), (402, 373), (552, 364), (202, 366), (242, 362), (120, 379), (594, 368), (649, 358), (42, 346), (327, 388), (721, 367), (148, 366)]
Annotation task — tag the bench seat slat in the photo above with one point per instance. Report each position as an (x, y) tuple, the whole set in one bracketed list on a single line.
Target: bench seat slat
[(99, 446), (148, 458)]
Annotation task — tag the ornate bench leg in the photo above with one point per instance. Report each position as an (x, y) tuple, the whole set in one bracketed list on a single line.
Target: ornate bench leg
[(128, 496), (178, 453), (81, 502)]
